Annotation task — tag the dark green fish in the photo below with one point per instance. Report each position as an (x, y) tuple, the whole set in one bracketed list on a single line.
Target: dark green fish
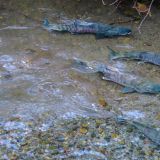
[(131, 83), (151, 133), (149, 57), (81, 27)]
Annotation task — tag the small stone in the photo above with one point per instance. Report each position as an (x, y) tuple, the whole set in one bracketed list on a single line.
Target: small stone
[(114, 135), (98, 122), (107, 138), (108, 108), (82, 143), (149, 152), (14, 156), (100, 130), (60, 139), (8, 76), (93, 134), (147, 44), (47, 158), (65, 145), (158, 116), (122, 142), (29, 123), (102, 102), (85, 125), (83, 130), (52, 147), (129, 129), (14, 119), (139, 150), (54, 152)]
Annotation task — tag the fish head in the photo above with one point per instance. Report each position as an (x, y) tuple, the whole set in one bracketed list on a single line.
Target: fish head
[(119, 31), (155, 88), (51, 27), (84, 66)]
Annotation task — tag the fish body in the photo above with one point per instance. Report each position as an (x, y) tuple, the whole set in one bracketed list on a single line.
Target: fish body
[(149, 57), (151, 133), (78, 27), (131, 83)]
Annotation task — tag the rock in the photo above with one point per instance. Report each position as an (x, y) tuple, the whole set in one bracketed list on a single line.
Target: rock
[(83, 130)]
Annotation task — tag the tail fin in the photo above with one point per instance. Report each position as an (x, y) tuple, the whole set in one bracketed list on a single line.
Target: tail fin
[(46, 22), (112, 54)]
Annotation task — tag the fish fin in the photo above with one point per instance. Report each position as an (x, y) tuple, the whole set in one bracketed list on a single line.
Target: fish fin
[(100, 35), (128, 90), (112, 54), (46, 22)]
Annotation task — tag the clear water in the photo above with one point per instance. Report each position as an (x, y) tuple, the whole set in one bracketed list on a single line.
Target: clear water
[(38, 82), (35, 71)]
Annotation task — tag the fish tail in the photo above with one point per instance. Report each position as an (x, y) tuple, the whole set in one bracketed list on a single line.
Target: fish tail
[(46, 22), (112, 54)]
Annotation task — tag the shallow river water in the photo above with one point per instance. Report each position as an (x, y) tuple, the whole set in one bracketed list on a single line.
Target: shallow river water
[(38, 82)]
